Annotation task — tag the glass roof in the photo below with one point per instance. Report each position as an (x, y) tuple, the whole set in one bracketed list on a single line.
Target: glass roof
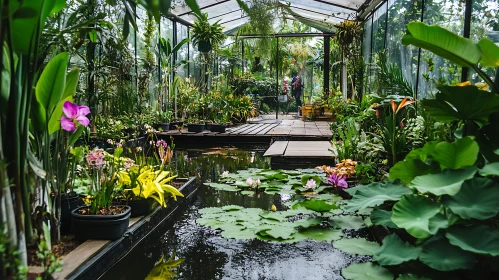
[(310, 12)]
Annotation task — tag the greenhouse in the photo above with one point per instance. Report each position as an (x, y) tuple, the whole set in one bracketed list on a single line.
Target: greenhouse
[(249, 139)]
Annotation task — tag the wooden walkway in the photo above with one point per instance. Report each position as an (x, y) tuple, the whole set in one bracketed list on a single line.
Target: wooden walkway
[(300, 154), (289, 128)]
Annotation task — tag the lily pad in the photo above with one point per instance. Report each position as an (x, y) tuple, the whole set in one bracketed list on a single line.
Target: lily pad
[(447, 182), (394, 251), (441, 255), (346, 222), (413, 213), (322, 234), (316, 205), (306, 223), (477, 199), (376, 194), (382, 218), (366, 271), (357, 246), (280, 232), (478, 239), (222, 187)]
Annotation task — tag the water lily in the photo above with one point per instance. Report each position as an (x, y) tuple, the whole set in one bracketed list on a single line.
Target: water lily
[(311, 184), (74, 115), (337, 181), (250, 182), (225, 173), (257, 182)]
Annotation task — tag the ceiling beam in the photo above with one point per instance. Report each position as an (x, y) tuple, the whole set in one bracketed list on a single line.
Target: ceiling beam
[(316, 12), (224, 14), (233, 20), (337, 5), (205, 7)]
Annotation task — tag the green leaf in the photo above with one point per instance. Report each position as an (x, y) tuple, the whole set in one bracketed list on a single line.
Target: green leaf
[(477, 199), (322, 234), (50, 86), (407, 170), (357, 246), (58, 6), (453, 103), (376, 194), (316, 178), (395, 251), (238, 232), (92, 35), (222, 187), (460, 153), (382, 218), (232, 208), (413, 213), (306, 223), (280, 232), (490, 53), (478, 239), (441, 255), (411, 277), (24, 27), (55, 120), (490, 169), (316, 205), (366, 271), (194, 7), (442, 42), (346, 222), (447, 182)]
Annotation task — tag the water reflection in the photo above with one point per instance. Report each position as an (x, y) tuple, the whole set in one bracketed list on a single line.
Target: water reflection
[(165, 269), (207, 255)]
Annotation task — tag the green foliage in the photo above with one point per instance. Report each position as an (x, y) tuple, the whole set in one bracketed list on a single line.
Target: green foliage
[(395, 251), (202, 30), (48, 260), (358, 246), (376, 194), (366, 271)]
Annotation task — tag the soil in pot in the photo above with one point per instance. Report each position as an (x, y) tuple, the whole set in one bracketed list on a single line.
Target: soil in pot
[(218, 128), (140, 207), (195, 127), (109, 223)]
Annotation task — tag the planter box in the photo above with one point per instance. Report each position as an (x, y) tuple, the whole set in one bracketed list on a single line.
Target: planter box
[(140, 207), (162, 126), (176, 125), (218, 128), (102, 227), (195, 127)]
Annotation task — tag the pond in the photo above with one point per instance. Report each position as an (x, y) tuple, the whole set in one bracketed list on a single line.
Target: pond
[(205, 254)]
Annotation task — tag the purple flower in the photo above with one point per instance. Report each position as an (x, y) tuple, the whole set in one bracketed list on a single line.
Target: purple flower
[(74, 114), (161, 143), (337, 181)]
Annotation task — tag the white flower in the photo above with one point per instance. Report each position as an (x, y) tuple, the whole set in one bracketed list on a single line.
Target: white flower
[(310, 184), (225, 173), (138, 149), (110, 141), (250, 182), (257, 182)]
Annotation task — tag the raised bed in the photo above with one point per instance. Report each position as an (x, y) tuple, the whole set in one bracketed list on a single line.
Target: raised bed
[(94, 257)]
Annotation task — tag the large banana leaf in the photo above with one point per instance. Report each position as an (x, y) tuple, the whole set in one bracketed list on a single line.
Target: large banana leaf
[(442, 42)]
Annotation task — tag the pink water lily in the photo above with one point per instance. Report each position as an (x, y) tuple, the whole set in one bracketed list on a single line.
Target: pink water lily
[(337, 181), (74, 114)]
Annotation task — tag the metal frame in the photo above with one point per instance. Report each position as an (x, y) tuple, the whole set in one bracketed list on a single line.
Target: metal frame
[(205, 7), (336, 5)]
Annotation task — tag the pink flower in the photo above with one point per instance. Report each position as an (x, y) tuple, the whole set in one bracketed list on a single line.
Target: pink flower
[(337, 181), (250, 182), (161, 143), (74, 114), (310, 184), (96, 158)]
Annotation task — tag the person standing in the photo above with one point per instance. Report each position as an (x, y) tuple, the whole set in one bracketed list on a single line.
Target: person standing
[(297, 89)]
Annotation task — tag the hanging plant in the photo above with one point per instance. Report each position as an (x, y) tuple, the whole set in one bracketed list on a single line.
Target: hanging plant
[(348, 37), (206, 35)]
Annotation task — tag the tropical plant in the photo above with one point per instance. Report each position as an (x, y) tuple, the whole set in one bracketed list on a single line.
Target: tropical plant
[(203, 31)]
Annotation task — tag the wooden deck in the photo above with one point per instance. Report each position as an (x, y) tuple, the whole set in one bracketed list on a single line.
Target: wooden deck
[(300, 154), (285, 128)]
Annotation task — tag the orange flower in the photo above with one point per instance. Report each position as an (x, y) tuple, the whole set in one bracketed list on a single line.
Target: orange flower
[(464, 84), (402, 104)]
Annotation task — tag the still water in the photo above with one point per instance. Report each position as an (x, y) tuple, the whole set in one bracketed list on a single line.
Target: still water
[(203, 254)]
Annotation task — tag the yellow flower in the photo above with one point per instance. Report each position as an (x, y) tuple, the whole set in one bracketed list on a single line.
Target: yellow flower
[(482, 86), (464, 84), (273, 208)]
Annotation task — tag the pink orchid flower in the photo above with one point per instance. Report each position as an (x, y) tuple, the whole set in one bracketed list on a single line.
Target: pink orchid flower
[(74, 114)]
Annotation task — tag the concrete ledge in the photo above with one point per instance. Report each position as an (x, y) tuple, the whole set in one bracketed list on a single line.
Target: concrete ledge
[(94, 257)]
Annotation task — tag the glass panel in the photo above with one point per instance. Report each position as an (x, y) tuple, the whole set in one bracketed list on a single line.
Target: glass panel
[(433, 69), (182, 54), (484, 24), (366, 49), (400, 13)]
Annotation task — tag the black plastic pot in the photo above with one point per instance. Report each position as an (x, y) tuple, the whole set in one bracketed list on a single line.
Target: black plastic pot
[(193, 127), (176, 125), (204, 46), (110, 227), (218, 128), (69, 202), (163, 126), (140, 207)]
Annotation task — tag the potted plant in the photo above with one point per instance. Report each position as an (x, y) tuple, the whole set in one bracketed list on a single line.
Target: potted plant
[(100, 219), (194, 125), (163, 118), (220, 125), (144, 184), (205, 35)]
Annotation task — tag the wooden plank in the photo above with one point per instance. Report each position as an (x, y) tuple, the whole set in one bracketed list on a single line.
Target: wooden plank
[(317, 145), (304, 153), (276, 149), (245, 130), (238, 128), (267, 129), (258, 129)]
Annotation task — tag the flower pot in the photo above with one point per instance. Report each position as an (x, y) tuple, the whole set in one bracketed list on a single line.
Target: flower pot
[(69, 202), (140, 207), (194, 127), (207, 125), (176, 125), (103, 227), (218, 128), (204, 46), (162, 126)]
